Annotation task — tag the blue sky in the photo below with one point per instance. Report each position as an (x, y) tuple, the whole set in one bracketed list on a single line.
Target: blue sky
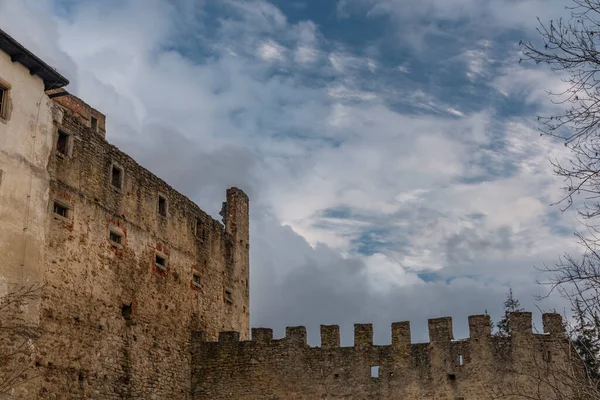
[(389, 147)]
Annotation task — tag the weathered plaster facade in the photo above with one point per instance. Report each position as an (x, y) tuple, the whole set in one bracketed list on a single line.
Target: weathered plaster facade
[(26, 144)]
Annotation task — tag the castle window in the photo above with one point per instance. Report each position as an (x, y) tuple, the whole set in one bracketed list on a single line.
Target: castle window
[(60, 209), (115, 235), (229, 295), (375, 371), (160, 261), (63, 143), (196, 279), (460, 359), (3, 101), (198, 228), (451, 377), (116, 176), (94, 123), (162, 205), (126, 311)]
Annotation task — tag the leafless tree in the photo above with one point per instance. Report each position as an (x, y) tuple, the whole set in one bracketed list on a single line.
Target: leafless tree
[(570, 46), (19, 334), (536, 376)]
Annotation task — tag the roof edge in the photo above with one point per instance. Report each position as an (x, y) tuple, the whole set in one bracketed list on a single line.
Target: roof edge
[(18, 53)]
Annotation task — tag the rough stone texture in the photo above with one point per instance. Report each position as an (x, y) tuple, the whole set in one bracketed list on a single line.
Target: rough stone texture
[(479, 367), (125, 321)]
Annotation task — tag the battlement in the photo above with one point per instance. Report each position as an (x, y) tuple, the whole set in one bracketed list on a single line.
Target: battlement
[(278, 367), (440, 331)]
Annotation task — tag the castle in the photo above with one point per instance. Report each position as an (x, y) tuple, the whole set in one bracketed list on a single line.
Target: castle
[(145, 296)]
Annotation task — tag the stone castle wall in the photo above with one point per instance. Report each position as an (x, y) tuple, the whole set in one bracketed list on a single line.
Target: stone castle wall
[(120, 322), (480, 367)]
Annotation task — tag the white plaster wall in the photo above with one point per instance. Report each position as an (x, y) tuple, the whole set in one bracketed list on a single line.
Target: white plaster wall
[(26, 140)]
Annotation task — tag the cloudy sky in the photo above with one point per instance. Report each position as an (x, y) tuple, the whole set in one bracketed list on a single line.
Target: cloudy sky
[(389, 147)]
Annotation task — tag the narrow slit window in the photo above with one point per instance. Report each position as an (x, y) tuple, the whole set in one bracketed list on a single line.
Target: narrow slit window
[(198, 228), (375, 371), (2, 101), (196, 279), (160, 262), (94, 124), (60, 209), (162, 205), (116, 177), (229, 295), (460, 359), (62, 144)]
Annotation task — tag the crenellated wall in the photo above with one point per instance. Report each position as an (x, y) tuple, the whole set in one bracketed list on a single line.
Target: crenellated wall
[(474, 368)]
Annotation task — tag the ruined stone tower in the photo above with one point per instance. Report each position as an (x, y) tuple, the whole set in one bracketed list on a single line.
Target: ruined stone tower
[(131, 267)]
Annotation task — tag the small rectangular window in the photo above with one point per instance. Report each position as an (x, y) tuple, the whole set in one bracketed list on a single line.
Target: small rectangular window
[(162, 205), (60, 209), (375, 371), (160, 262), (62, 144), (196, 279), (229, 295), (198, 228), (94, 123), (115, 237), (116, 177)]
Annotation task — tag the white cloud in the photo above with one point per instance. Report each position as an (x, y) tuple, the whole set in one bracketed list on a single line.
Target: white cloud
[(427, 191), (476, 63), (306, 55), (528, 83), (385, 274), (484, 15), (271, 51), (342, 92)]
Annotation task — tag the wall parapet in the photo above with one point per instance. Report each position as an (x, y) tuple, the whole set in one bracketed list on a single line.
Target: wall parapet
[(265, 367), (440, 331)]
